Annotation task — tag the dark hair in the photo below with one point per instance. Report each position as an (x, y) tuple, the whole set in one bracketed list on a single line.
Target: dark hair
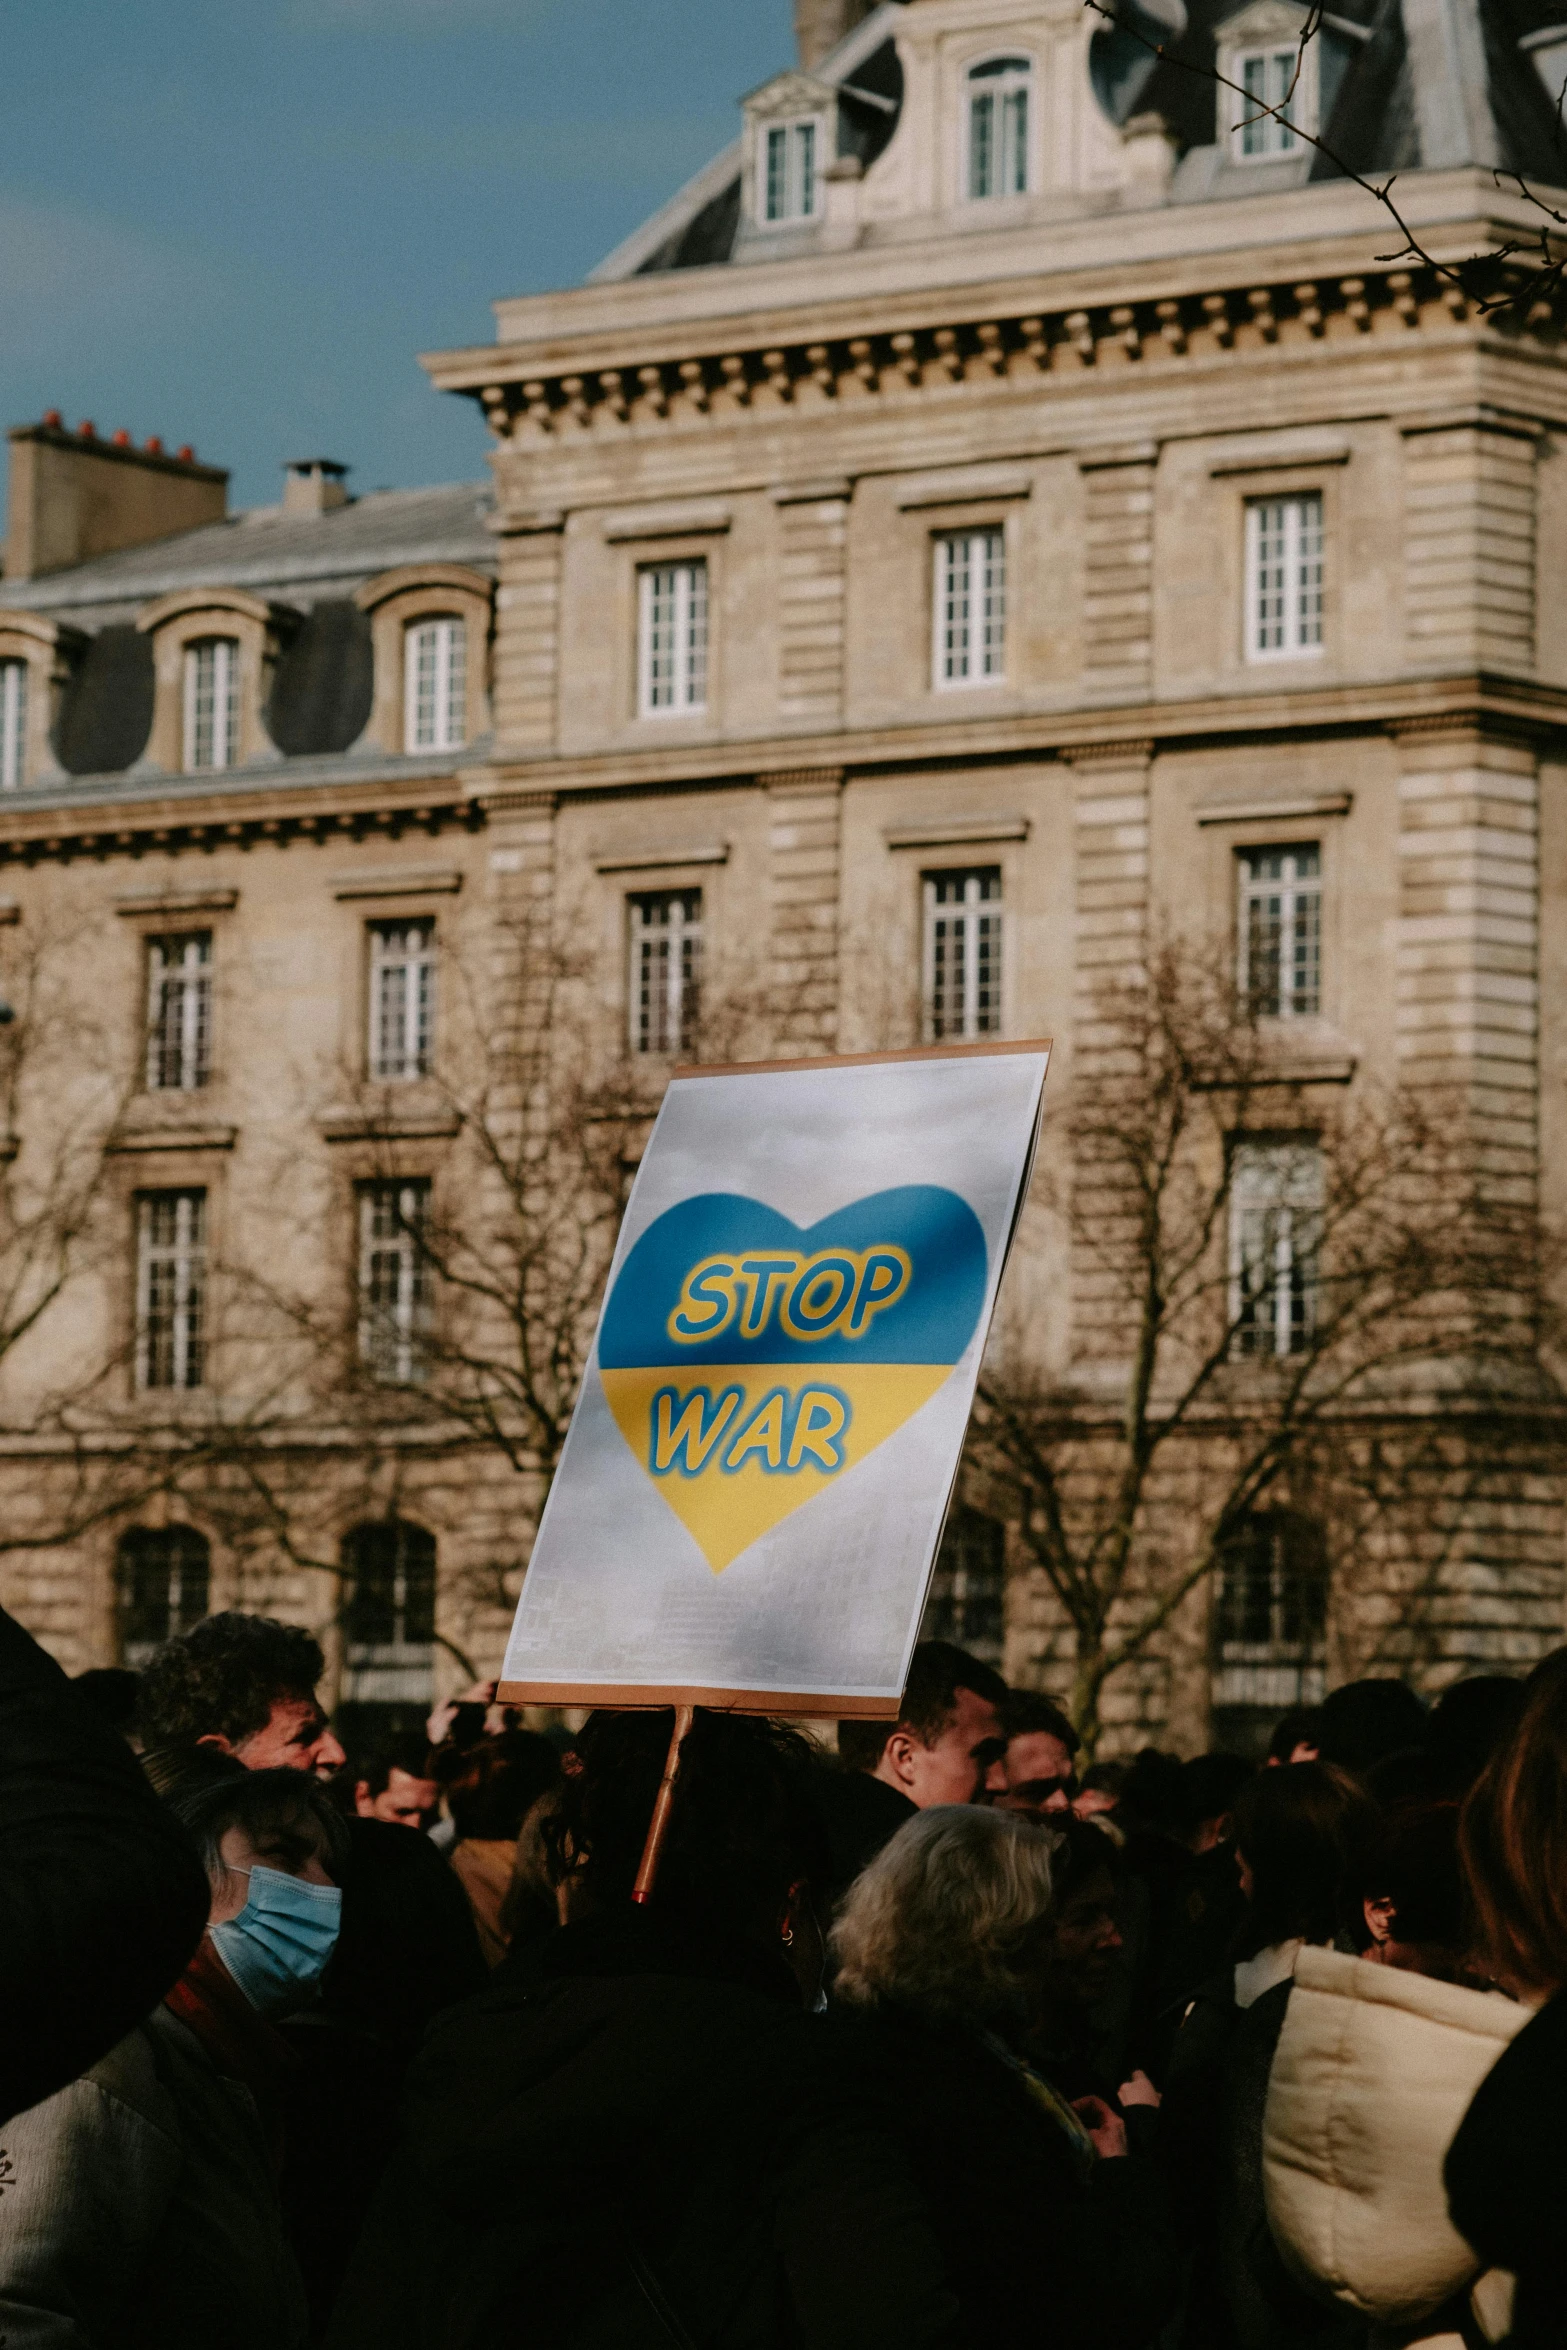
[(1082, 1852), (215, 1794), (491, 1787), (1513, 1838), (1302, 1726), (1412, 1861), (743, 1828), (1466, 1726), (1366, 1720), (111, 1691), (403, 1750), (223, 1678), (1151, 1796), (1028, 1712), (1209, 1786), (1303, 1834), (937, 1671), (1107, 1778)]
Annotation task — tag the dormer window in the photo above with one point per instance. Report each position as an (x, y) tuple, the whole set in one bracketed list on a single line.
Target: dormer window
[(211, 704), (790, 170), (998, 127), (435, 684), (1274, 81), (13, 725)]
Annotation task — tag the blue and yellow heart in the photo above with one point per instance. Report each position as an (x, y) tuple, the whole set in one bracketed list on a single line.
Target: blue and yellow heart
[(749, 1363)]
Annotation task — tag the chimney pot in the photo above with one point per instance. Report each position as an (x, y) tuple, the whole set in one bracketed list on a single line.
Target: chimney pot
[(87, 430), (74, 496), (52, 416), (122, 439), (185, 453), (154, 445), (314, 485)]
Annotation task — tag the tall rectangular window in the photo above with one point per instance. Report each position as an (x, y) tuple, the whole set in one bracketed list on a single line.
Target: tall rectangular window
[(967, 1603), (1280, 930), (998, 127), (402, 1000), (171, 1289), (211, 704), (962, 954), (435, 685), (672, 637), (13, 725), (179, 1012), (1270, 78), (1283, 576), (1276, 1197), (666, 971), (971, 607), (790, 190), (394, 1279)]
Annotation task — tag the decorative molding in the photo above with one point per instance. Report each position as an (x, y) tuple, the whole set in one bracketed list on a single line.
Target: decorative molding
[(1110, 460), (176, 901), (101, 830), (211, 1137), (1306, 453), (1136, 753), (396, 881), (811, 493), (1326, 803), (681, 518), (951, 832), (365, 1126), (653, 860), (965, 486), (803, 779), (517, 803), (1475, 417)]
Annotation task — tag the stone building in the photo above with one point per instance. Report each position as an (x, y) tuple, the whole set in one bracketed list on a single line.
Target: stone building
[(1007, 505)]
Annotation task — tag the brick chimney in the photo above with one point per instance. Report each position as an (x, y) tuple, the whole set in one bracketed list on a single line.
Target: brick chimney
[(314, 485), (74, 496), (819, 25)]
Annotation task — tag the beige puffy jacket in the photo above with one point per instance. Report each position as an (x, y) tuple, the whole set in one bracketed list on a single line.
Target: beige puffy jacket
[(1374, 2072)]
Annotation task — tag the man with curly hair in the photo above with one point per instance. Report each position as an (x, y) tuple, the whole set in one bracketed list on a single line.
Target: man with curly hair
[(247, 1686)]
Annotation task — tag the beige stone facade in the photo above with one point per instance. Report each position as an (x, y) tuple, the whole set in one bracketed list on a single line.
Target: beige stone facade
[(1100, 382)]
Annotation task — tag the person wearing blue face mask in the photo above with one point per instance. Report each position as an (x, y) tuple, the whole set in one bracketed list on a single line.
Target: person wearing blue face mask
[(143, 2210)]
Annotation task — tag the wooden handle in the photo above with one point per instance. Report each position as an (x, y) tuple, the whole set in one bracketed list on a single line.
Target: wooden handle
[(658, 1825)]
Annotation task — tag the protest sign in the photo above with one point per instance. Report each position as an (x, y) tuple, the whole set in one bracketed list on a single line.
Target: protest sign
[(754, 1483)]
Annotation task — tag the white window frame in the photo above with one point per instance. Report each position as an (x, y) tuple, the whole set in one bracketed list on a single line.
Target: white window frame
[(673, 602), (799, 141), (664, 994), (435, 683), (965, 933), (969, 608), (1276, 1200), (1291, 900), (394, 1325), (13, 723), (213, 729), (1263, 138), (171, 1284), (400, 1046), (1285, 564), (179, 1012), (1002, 90)]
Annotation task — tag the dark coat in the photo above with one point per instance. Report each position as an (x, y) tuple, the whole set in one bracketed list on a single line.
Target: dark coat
[(102, 1898), (1040, 2256), (633, 2142), (1507, 2175), (861, 1814)]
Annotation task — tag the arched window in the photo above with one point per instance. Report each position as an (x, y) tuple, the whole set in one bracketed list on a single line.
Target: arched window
[(162, 1579), (998, 127), (967, 1602), (211, 704), (388, 1624), (435, 684), (1272, 1626)]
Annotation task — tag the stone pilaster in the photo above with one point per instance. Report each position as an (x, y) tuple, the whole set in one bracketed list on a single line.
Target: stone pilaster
[(805, 809), (527, 635), (813, 523), (1118, 498), (1470, 495)]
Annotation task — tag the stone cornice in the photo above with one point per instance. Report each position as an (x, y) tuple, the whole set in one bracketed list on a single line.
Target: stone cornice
[(540, 396), (138, 827)]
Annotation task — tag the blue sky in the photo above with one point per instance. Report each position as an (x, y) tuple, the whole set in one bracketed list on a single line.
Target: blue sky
[(235, 222)]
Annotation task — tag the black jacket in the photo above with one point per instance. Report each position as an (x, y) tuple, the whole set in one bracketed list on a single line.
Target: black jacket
[(1507, 2175), (633, 2145), (102, 1898), (862, 1814), (1040, 2256)]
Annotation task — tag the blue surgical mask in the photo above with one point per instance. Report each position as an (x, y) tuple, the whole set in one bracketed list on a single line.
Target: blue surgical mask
[(278, 1946)]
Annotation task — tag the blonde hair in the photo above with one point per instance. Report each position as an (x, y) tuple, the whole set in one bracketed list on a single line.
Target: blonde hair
[(939, 1919)]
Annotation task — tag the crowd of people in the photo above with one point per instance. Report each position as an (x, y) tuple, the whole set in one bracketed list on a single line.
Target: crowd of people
[(937, 2041)]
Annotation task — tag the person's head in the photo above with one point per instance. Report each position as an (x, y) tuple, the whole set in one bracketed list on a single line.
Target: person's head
[(745, 1843), (948, 1919), (1466, 1726), (1300, 1838), (1041, 1742), (1100, 1792), (946, 1745), (246, 1686), (1410, 1891), (1365, 1721), (111, 1691), (1082, 1938), (396, 1783), (1295, 1737), (1209, 1787), (492, 1786), (273, 1846), (1513, 1842)]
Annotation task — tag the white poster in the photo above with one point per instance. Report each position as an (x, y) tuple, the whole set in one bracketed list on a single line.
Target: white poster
[(753, 1487)]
